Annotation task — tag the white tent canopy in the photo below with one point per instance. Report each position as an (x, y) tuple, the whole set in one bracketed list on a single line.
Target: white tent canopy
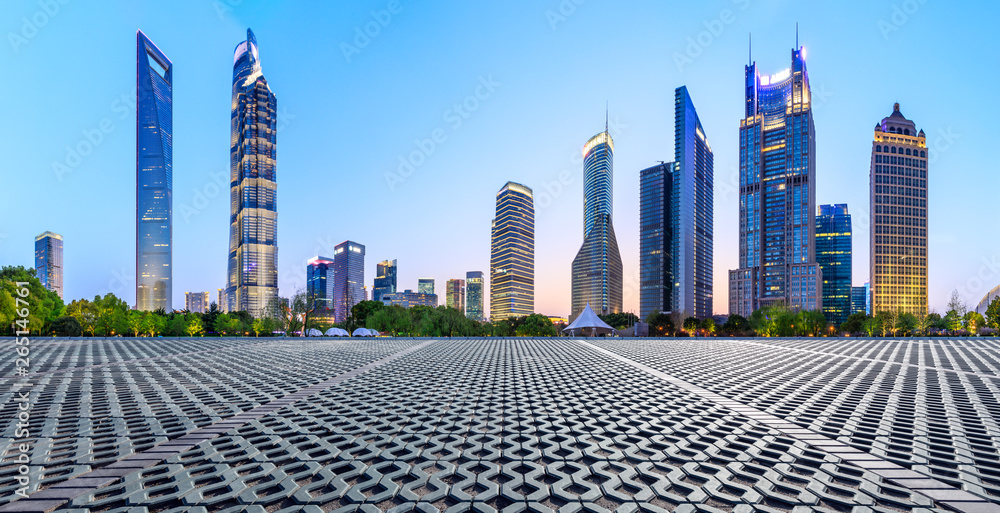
[(364, 332), (313, 332), (588, 319), (336, 332)]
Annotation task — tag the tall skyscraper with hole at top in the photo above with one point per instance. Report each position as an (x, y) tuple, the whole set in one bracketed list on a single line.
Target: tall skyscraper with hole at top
[(154, 177), (597, 268), (252, 283), (512, 254), (777, 253), (898, 199), (49, 261)]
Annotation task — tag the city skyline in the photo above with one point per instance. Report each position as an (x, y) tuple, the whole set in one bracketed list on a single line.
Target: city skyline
[(638, 130)]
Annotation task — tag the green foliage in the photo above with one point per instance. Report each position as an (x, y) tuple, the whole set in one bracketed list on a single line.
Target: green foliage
[(934, 320), (538, 325), (953, 320), (619, 320), (735, 325), (855, 322), (229, 325), (778, 321), (973, 321), (193, 326), (993, 313), (362, 310), (707, 326), (41, 306), (391, 320), (66, 326), (660, 324), (690, 324)]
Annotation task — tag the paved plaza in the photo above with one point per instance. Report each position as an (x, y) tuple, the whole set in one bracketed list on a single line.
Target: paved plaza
[(597, 424)]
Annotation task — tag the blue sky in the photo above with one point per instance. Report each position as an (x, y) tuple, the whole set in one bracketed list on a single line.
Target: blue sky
[(351, 107)]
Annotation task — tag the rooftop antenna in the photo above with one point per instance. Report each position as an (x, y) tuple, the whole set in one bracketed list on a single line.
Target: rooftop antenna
[(750, 49), (796, 35), (605, 116)]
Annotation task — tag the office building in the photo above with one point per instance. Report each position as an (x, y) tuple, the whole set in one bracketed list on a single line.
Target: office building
[(348, 277), (676, 222), (196, 302), (153, 177), (777, 254), (898, 199), (455, 295), (252, 279), (597, 268), (425, 285), (474, 295), (385, 279), (408, 298), (512, 254), (49, 261), (859, 299), (319, 282), (833, 254)]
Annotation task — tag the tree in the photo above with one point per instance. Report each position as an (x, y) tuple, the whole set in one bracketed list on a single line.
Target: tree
[(871, 326), (809, 323), (854, 322), (973, 321), (957, 303), (735, 325), (392, 319), (765, 321), (993, 313), (907, 324), (619, 320), (691, 324), (41, 306), (257, 326), (363, 309), (536, 325), (707, 326), (660, 324), (953, 320), (66, 326), (85, 314), (193, 326), (934, 320)]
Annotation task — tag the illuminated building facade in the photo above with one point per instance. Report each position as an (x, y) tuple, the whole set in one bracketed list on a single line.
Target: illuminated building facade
[(154, 177), (252, 279), (833, 254), (859, 299), (656, 236), (597, 268), (474, 295), (408, 298), (425, 285), (49, 261), (512, 254), (898, 183), (777, 260), (196, 302), (348, 278), (319, 282), (454, 295), (385, 279)]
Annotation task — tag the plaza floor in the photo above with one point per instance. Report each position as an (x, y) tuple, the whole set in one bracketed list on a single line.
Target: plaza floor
[(595, 424)]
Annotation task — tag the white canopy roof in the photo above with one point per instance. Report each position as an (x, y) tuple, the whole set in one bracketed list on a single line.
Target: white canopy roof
[(313, 332), (587, 319), (336, 332), (362, 332)]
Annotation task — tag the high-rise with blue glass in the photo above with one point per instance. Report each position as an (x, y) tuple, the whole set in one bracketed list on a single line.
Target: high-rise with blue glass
[(777, 260), (474, 295), (597, 268), (348, 277), (153, 177), (833, 254), (319, 282), (252, 282), (49, 261), (512, 254), (385, 279)]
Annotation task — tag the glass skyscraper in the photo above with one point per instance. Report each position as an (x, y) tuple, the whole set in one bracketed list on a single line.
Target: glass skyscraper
[(512, 254), (675, 222), (348, 277), (454, 291), (425, 285), (898, 196), (656, 236), (385, 279), (597, 268), (833, 254), (474, 295), (253, 222), (777, 261), (49, 261), (153, 177), (319, 282)]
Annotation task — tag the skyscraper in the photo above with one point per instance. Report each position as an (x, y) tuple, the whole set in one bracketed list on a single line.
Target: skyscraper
[(777, 194), (385, 279), (833, 254), (253, 222), (319, 282), (220, 300), (153, 177), (898, 179), (512, 254), (656, 238), (49, 261), (455, 294), (349, 278), (196, 302), (859, 299), (597, 268), (676, 222), (474, 295), (425, 285)]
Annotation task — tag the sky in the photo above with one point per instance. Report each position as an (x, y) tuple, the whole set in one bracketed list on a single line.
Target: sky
[(511, 90)]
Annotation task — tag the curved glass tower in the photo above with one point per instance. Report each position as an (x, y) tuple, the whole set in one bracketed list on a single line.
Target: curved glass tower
[(252, 282), (512, 254), (153, 176), (597, 268)]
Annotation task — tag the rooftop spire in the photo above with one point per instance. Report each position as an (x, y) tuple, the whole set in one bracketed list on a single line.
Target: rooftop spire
[(796, 35), (750, 49)]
